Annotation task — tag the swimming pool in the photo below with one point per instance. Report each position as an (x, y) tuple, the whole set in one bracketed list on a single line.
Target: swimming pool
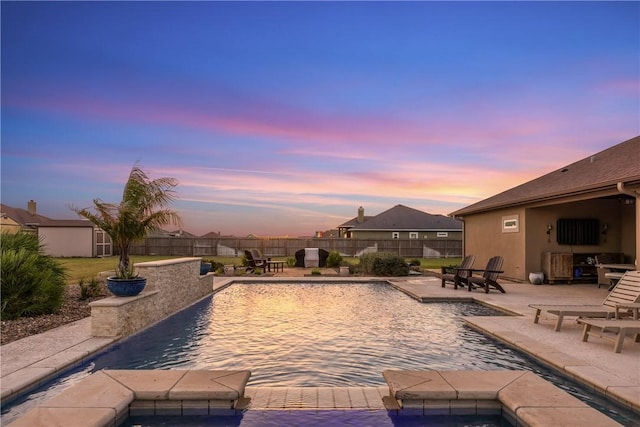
[(311, 334), (298, 335)]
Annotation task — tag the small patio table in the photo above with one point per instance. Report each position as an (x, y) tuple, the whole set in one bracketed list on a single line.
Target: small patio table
[(277, 266)]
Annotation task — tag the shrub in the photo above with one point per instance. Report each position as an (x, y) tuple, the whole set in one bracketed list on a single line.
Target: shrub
[(31, 282), (90, 290), (366, 262), (215, 265), (291, 262), (415, 263), (384, 264), (316, 272), (334, 259)]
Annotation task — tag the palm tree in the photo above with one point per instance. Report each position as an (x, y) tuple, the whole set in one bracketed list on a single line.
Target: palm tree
[(143, 209)]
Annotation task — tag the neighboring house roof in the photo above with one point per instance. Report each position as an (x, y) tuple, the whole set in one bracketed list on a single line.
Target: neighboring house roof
[(601, 171), (22, 216), (330, 233), (211, 234), (401, 217), (175, 233), (353, 222)]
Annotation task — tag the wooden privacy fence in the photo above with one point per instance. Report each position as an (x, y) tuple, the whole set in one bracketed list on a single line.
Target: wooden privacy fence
[(287, 247)]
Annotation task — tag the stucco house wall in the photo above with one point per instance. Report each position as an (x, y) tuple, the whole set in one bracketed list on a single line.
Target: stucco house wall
[(604, 186), (485, 237)]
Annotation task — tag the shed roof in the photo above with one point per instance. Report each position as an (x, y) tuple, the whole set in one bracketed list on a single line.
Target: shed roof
[(401, 217), (66, 223), (600, 171)]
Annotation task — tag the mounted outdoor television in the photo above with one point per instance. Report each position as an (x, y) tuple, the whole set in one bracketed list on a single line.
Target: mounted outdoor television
[(577, 231)]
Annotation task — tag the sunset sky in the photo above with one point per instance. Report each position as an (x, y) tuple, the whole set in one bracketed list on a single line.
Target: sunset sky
[(282, 118)]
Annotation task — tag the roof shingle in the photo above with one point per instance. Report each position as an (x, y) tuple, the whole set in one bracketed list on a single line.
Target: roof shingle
[(401, 217), (620, 163)]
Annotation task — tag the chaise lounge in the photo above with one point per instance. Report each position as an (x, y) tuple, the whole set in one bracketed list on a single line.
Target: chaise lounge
[(626, 291), (614, 330)]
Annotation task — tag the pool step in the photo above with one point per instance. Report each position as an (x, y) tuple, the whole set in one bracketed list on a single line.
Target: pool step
[(316, 397)]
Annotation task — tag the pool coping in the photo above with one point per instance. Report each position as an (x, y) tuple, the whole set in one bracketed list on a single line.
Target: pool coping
[(108, 397), (521, 397)]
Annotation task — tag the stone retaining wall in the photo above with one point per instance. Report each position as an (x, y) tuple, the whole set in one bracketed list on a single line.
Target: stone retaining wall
[(172, 285)]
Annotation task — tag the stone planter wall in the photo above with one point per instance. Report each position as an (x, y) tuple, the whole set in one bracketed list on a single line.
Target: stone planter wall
[(172, 285)]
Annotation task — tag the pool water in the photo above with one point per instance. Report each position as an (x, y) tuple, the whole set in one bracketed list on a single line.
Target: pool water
[(321, 419), (304, 334), (297, 335)]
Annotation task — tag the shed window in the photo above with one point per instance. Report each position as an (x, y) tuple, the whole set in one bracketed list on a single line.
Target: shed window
[(442, 234), (395, 235), (413, 235)]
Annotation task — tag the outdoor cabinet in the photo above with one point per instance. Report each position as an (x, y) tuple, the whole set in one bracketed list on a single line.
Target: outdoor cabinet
[(557, 266)]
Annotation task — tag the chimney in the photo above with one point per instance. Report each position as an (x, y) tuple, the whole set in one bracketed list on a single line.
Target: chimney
[(31, 207), (360, 215)]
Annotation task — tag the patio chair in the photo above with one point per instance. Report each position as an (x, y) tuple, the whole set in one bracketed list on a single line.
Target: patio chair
[(627, 290), (257, 256), (489, 278), (459, 277), (253, 262)]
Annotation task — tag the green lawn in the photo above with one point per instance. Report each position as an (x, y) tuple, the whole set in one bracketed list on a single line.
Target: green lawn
[(87, 268)]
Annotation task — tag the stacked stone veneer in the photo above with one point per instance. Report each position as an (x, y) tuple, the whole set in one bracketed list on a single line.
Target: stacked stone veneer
[(172, 285)]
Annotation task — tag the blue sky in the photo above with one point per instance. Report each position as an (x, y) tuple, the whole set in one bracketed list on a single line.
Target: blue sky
[(281, 118)]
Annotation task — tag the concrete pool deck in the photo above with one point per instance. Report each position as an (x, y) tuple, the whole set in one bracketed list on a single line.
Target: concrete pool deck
[(33, 360)]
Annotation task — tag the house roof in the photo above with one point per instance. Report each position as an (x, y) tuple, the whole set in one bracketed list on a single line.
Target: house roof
[(401, 217), (353, 222), (211, 234), (22, 216), (598, 172), (174, 233)]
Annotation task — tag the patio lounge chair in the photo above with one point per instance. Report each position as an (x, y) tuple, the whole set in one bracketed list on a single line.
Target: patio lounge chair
[(489, 278), (459, 277), (614, 330), (627, 290)]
